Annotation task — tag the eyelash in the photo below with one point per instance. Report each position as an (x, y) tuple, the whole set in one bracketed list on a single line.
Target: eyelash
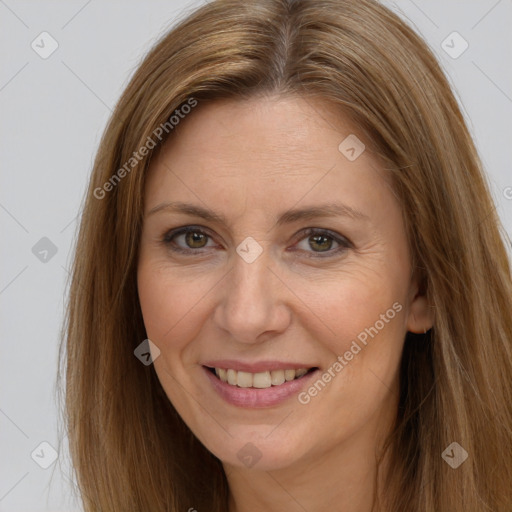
[(344, 243)]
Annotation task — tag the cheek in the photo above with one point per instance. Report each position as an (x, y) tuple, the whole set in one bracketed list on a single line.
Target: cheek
[(361, 322), (346, 304), (156, 302), (163, 303), (173, 305)]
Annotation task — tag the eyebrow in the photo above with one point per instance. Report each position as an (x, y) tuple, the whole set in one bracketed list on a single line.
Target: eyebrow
[(287, 217)]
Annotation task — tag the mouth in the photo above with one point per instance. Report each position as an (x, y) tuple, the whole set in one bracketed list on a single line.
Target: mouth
[(259, 380), (257, 384)]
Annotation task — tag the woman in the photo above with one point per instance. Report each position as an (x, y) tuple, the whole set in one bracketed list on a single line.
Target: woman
[(290, 289)]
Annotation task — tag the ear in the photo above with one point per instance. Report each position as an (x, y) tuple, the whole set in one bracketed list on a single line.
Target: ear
[(421, 316)]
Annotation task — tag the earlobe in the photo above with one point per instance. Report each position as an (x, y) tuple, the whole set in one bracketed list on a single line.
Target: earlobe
[(421, 316)]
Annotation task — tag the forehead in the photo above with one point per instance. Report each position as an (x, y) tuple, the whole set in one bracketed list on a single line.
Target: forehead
[(287, 128), (265, 153)]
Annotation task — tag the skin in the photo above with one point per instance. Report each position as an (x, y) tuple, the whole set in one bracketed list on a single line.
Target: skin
[(250, 160)]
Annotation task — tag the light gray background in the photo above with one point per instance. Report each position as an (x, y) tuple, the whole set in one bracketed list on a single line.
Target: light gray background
[(53, 112)]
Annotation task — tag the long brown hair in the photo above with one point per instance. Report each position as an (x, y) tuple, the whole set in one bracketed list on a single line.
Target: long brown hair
[(130, 449)]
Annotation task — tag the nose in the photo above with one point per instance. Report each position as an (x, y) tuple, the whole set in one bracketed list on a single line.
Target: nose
[(252, 305)]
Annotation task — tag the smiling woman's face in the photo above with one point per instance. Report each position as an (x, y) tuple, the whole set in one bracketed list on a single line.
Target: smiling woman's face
[(251, 289)]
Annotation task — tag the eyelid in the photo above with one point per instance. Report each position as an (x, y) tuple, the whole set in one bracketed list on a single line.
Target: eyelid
[(343, 242)]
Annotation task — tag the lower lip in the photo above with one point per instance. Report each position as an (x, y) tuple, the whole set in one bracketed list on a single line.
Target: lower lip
[(258, 398)]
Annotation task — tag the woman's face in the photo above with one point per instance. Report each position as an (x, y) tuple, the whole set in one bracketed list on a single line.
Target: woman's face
[(250, 291)]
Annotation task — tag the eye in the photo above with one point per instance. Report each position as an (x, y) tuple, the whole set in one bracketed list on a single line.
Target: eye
[(321, 241), (193, 237)]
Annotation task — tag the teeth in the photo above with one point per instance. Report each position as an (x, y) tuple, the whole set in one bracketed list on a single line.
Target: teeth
[(232, 377), (243, 379), (289, 375), (276, 377), (260, 380)]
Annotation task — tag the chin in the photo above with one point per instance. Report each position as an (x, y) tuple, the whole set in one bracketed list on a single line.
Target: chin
[(257, 453)]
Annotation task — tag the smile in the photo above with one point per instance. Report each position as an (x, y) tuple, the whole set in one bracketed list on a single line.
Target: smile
[(258, 389), (260, 380)]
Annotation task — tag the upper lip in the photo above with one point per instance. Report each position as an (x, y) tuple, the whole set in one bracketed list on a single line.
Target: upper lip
[(256, 367)]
